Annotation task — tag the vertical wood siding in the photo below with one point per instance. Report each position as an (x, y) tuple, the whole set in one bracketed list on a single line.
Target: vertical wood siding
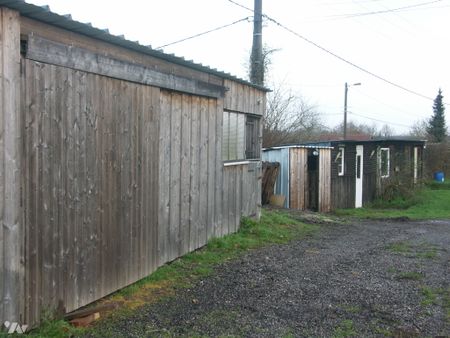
[(91, 177), (116, 177), (241, 196), (324, 180), (11, 227), (298, 178), (190, 186), (244, 99)]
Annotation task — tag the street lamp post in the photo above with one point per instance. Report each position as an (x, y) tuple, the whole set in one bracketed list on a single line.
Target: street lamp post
[(345, 106)]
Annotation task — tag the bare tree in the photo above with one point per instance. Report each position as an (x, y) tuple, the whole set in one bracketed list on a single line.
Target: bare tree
[(419, 129), (385, 131), (289, 118)]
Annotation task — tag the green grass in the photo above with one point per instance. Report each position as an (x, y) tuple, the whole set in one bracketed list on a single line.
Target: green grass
[(437, 296), (410, 275), (439, 185), (429, 295), (53, 328), (421, 250), (345, 329), (400, 247), (432, 204), (274, 227), (351, 308)]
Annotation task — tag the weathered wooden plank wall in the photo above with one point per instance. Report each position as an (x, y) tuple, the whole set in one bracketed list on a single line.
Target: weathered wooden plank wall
[(324, 180), (11, 228), (244, 99), (118, 177), (91, 188), (298, 178), (190, 168), (343, 187), (241, 194)]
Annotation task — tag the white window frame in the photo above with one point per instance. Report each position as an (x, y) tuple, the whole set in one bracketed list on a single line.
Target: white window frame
[(388, 162), (340, 159)]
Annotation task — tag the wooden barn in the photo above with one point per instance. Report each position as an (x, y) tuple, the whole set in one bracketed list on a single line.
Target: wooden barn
[(115, 159), (304, 175), (360, 170)]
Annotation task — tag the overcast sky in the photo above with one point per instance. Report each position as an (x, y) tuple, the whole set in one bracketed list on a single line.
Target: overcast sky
[(403, 41)]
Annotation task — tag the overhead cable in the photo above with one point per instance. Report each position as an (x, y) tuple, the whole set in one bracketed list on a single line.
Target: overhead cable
[(204, 33), (362, 69)]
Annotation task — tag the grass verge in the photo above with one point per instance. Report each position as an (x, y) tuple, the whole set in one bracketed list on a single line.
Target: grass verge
[(432, 203), (274, 227), (436, 296), (345, 329)]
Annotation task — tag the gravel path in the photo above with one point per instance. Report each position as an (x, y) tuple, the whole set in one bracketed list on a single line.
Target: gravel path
[(362, 280)]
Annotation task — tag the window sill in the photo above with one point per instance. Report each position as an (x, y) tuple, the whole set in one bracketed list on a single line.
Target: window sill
[(241, 162)]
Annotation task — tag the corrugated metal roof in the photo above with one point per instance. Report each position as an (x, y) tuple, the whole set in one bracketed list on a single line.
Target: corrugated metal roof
[(43, 14), (308, 146)]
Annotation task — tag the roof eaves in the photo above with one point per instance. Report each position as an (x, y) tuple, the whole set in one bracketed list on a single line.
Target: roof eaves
[(43, 13)]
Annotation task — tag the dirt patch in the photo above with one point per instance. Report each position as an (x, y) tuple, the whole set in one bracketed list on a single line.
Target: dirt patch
[(367, 279)]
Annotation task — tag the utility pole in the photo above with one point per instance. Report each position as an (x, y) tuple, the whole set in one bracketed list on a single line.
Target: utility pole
[(345, 111), (256, 58), (345, 106)]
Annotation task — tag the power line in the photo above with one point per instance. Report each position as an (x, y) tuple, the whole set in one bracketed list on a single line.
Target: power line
[(242, 6), (386, 10), (347, 61), (207, 32), (384, 103), (362, 69), (378, 120)]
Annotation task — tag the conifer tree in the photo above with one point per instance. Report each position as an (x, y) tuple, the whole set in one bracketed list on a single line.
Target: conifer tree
[(437, 129)]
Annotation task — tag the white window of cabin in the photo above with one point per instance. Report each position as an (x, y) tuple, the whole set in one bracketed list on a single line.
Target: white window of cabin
[(240, 138), (384, 160), (340, 157)]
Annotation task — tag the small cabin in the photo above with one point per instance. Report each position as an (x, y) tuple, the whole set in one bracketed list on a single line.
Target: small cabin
[(360, 170)]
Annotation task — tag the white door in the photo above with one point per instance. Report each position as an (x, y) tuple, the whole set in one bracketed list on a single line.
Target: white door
[(416, 164), (359, 176)]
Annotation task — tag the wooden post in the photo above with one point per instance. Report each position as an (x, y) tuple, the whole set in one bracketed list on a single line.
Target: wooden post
[(11, 231)]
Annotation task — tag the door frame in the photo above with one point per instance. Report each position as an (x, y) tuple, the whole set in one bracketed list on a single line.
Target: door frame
[(359, 174)]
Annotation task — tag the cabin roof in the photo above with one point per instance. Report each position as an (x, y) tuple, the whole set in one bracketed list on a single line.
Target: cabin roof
[(396, 139), (44, 14)]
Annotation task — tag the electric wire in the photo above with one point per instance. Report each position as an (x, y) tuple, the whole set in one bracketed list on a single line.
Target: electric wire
[(362, 69), (378, 120), (389, 10), (206, 32)]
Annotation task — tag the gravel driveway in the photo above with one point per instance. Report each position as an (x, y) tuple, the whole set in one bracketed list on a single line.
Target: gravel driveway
[(365, 279)]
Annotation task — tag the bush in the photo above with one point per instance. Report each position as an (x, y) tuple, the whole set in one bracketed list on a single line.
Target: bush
[(397, 194)]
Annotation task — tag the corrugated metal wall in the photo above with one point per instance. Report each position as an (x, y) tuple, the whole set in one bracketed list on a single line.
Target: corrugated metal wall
[(282, 184)]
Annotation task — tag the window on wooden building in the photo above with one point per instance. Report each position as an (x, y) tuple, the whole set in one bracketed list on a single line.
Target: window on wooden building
[(340, 161), (384, 162), (252, 147), (240, 140)]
